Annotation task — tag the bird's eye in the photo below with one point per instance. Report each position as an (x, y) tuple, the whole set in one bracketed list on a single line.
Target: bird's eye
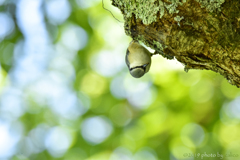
[(145, 65)]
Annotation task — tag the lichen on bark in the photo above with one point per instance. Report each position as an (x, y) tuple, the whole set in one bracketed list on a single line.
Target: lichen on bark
[(211, 5), (201, 34)]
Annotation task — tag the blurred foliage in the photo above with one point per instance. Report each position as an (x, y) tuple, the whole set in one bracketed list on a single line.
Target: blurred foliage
[(83, 103)]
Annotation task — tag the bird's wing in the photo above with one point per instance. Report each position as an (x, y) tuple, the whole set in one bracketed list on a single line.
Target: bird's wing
[(126, 59)]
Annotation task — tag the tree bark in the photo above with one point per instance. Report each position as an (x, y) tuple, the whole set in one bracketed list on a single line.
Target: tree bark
[(201, 34)]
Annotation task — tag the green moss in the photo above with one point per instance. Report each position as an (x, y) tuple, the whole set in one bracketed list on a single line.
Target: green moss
[(178, 19), (211, 5), (141, 38), (159, 45), (172, 7), (159, 50), (147, 10)]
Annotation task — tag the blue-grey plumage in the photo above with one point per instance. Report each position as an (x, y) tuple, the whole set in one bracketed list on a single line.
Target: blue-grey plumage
[(138, 59)]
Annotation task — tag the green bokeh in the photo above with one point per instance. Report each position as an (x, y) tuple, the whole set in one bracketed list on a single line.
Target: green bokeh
[(185, 115)]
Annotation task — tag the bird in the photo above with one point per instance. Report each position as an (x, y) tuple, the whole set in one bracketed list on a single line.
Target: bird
[(138, 59)]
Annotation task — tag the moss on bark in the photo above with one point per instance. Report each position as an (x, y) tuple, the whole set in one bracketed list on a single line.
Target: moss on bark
[(201, 34)]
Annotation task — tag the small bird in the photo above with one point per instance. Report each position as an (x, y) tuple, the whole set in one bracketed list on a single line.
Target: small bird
[(138, 59)]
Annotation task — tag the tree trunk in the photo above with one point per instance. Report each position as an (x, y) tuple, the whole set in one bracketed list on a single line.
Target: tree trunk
[(201, 34)]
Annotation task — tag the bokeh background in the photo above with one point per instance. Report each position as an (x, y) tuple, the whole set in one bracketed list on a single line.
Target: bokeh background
[(66, 92)]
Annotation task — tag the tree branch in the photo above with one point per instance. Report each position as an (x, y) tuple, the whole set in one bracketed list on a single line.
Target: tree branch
[(201, 34)]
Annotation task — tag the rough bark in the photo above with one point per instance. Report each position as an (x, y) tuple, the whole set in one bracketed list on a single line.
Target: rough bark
[(201, 34)]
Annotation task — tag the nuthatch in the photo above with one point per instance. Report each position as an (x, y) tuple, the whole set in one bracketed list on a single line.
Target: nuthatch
[(138, 59)]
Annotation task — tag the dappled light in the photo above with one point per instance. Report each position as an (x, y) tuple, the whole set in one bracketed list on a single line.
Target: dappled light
[(192, 135), (101, 64), (73, 37), (57, 141), (9, 139), (96, 129), (66, 92), (86, 4), (57, 11), (7, 25)]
